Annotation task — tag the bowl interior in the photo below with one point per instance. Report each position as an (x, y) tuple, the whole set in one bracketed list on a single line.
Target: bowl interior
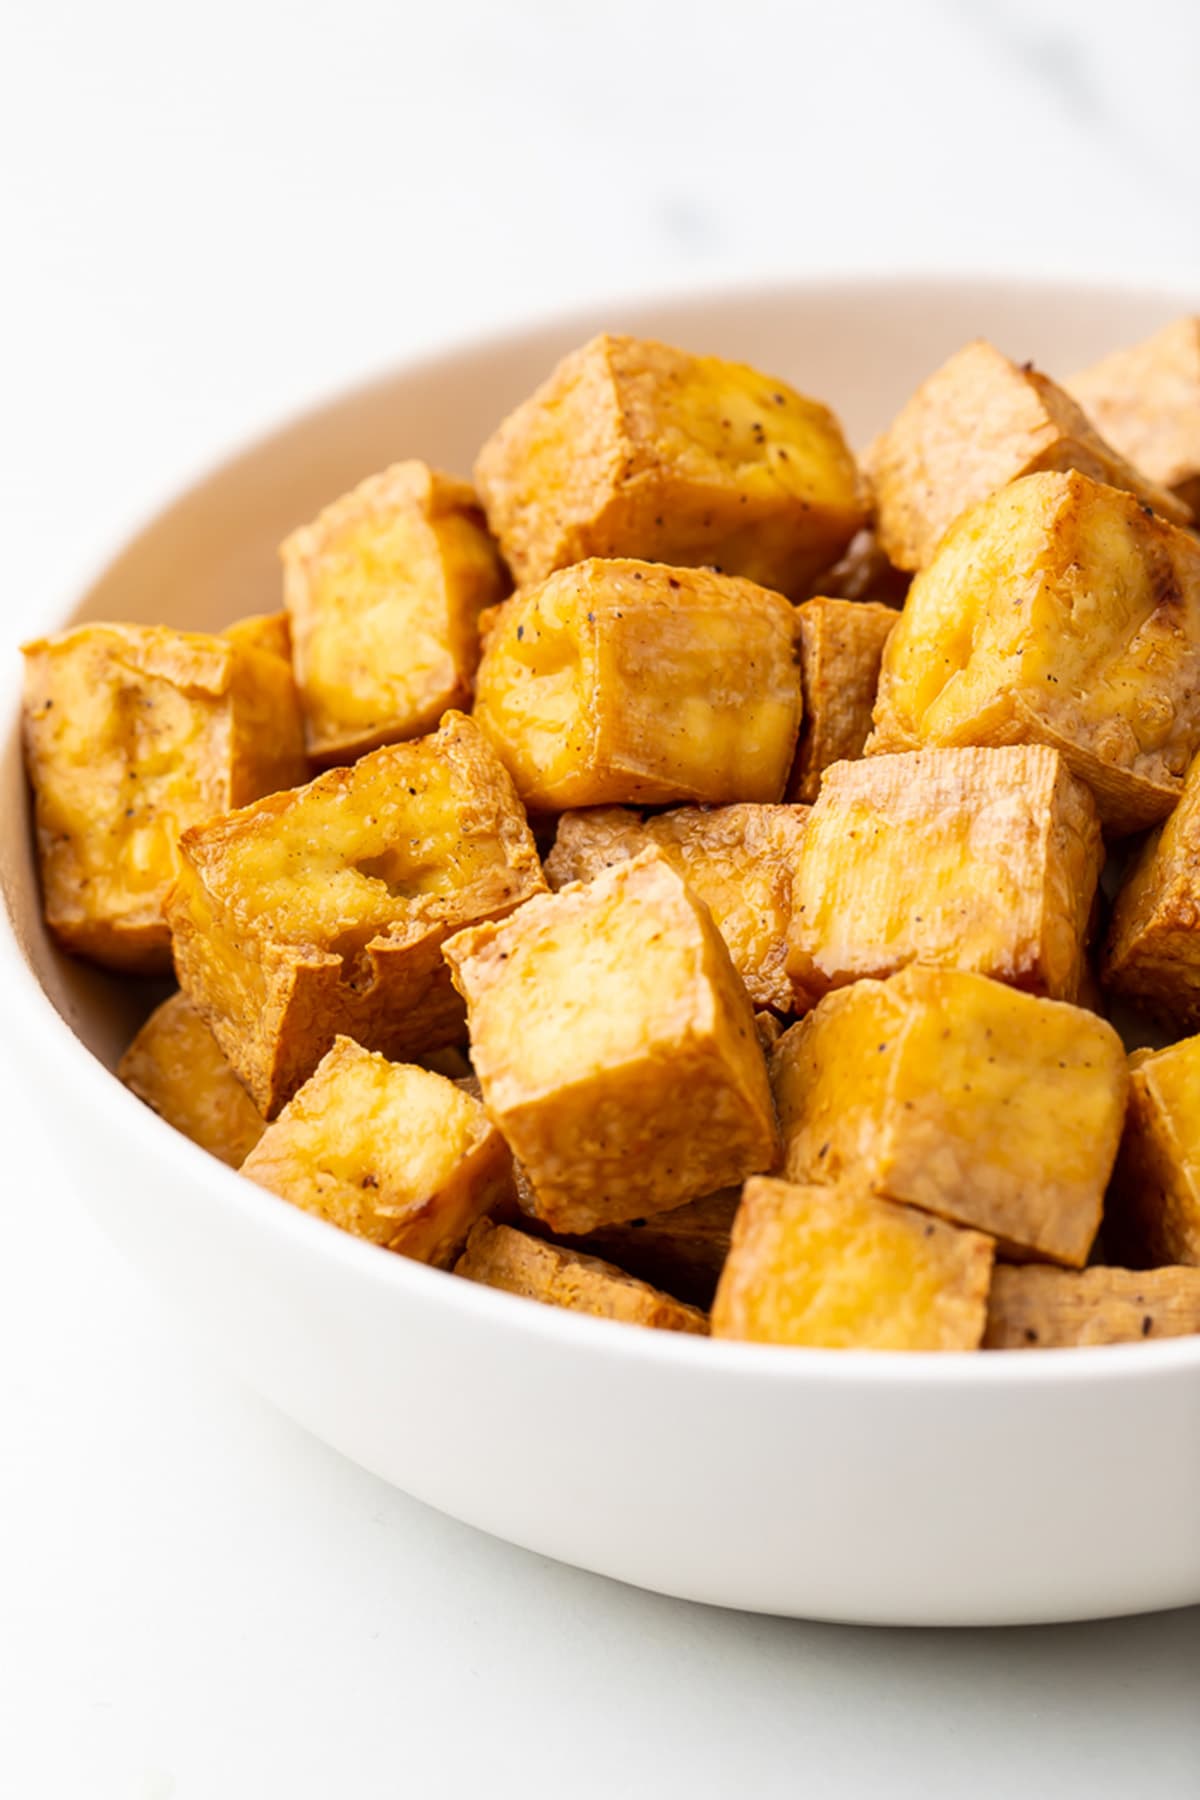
[(212, 555)]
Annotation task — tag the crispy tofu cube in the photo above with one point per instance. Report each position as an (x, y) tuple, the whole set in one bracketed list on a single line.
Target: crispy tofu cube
[(635, 449), (682, 1251), (133, 733), (175, 1065), (841, 645), (616, 1047), (384, 590), (1057, 1309), (738, 859), (263, 631), (1154, 1208), (324, 911), (977, 424), (617, 682), (967, 859), (499, 1257), (1152, 954), (387, 1151), (958, 1095), (1058, 612), (1146, 401), (835, 1268)]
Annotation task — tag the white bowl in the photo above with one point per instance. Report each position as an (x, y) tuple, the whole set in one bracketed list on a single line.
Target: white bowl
[(918, 1489)]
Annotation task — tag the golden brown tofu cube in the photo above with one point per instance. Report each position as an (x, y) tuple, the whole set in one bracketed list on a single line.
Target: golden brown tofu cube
[(682, 1251), (841, 645), (961, 1096), (739, 860), (1146, 401), (263, 631), (626, 682), (324, 911), (1058, 612), (175, 1065), (835, 1268), (499, 1257), (386, 1151), (1153, 1212), (384, 590), (1152, 955), (133, 733), (967, 859), (616, 1047), (632, 448), (980, 422), (1057, 1309)]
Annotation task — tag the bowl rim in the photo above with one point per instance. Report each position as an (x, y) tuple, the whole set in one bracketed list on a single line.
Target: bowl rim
[(35, 1013)]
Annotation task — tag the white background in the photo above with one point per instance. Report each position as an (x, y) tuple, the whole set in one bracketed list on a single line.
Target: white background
[(211, 214)]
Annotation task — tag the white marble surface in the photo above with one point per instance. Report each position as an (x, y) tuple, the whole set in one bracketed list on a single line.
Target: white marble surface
[(210, 214)]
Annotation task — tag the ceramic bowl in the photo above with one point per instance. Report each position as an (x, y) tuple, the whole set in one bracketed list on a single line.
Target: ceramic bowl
[(902, 1489)]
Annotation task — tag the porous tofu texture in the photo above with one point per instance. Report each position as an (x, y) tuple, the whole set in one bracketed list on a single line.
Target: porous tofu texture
[(499, 1257), (384, 590), (970, 859), (841, 645), (323, 911), (1057, 612), (1152, 954), (175, 1065), (632, 448), (616, 1047), (388, 1152), (1154, 1207), (958, 1095), (133, 733), (1146, 401), (836, 1268), (739, 860), (617, 682), (978, 423), (1058, 1309)]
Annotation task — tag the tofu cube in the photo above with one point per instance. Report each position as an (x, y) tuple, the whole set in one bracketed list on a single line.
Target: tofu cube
[(739, 860), (978, 423), (1154, 1208), (1146, 401), (1059, 1309), (500, 1257), (968, 859), (1152, 954), (958, 1095), (175, 1065), (1058, 612), (682, 1251), (841, 646), (616, 1047), (386, 1151), (627, 682), (633, 448), (133, 733), (384, 590), (323, 912), (834, 1268)]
